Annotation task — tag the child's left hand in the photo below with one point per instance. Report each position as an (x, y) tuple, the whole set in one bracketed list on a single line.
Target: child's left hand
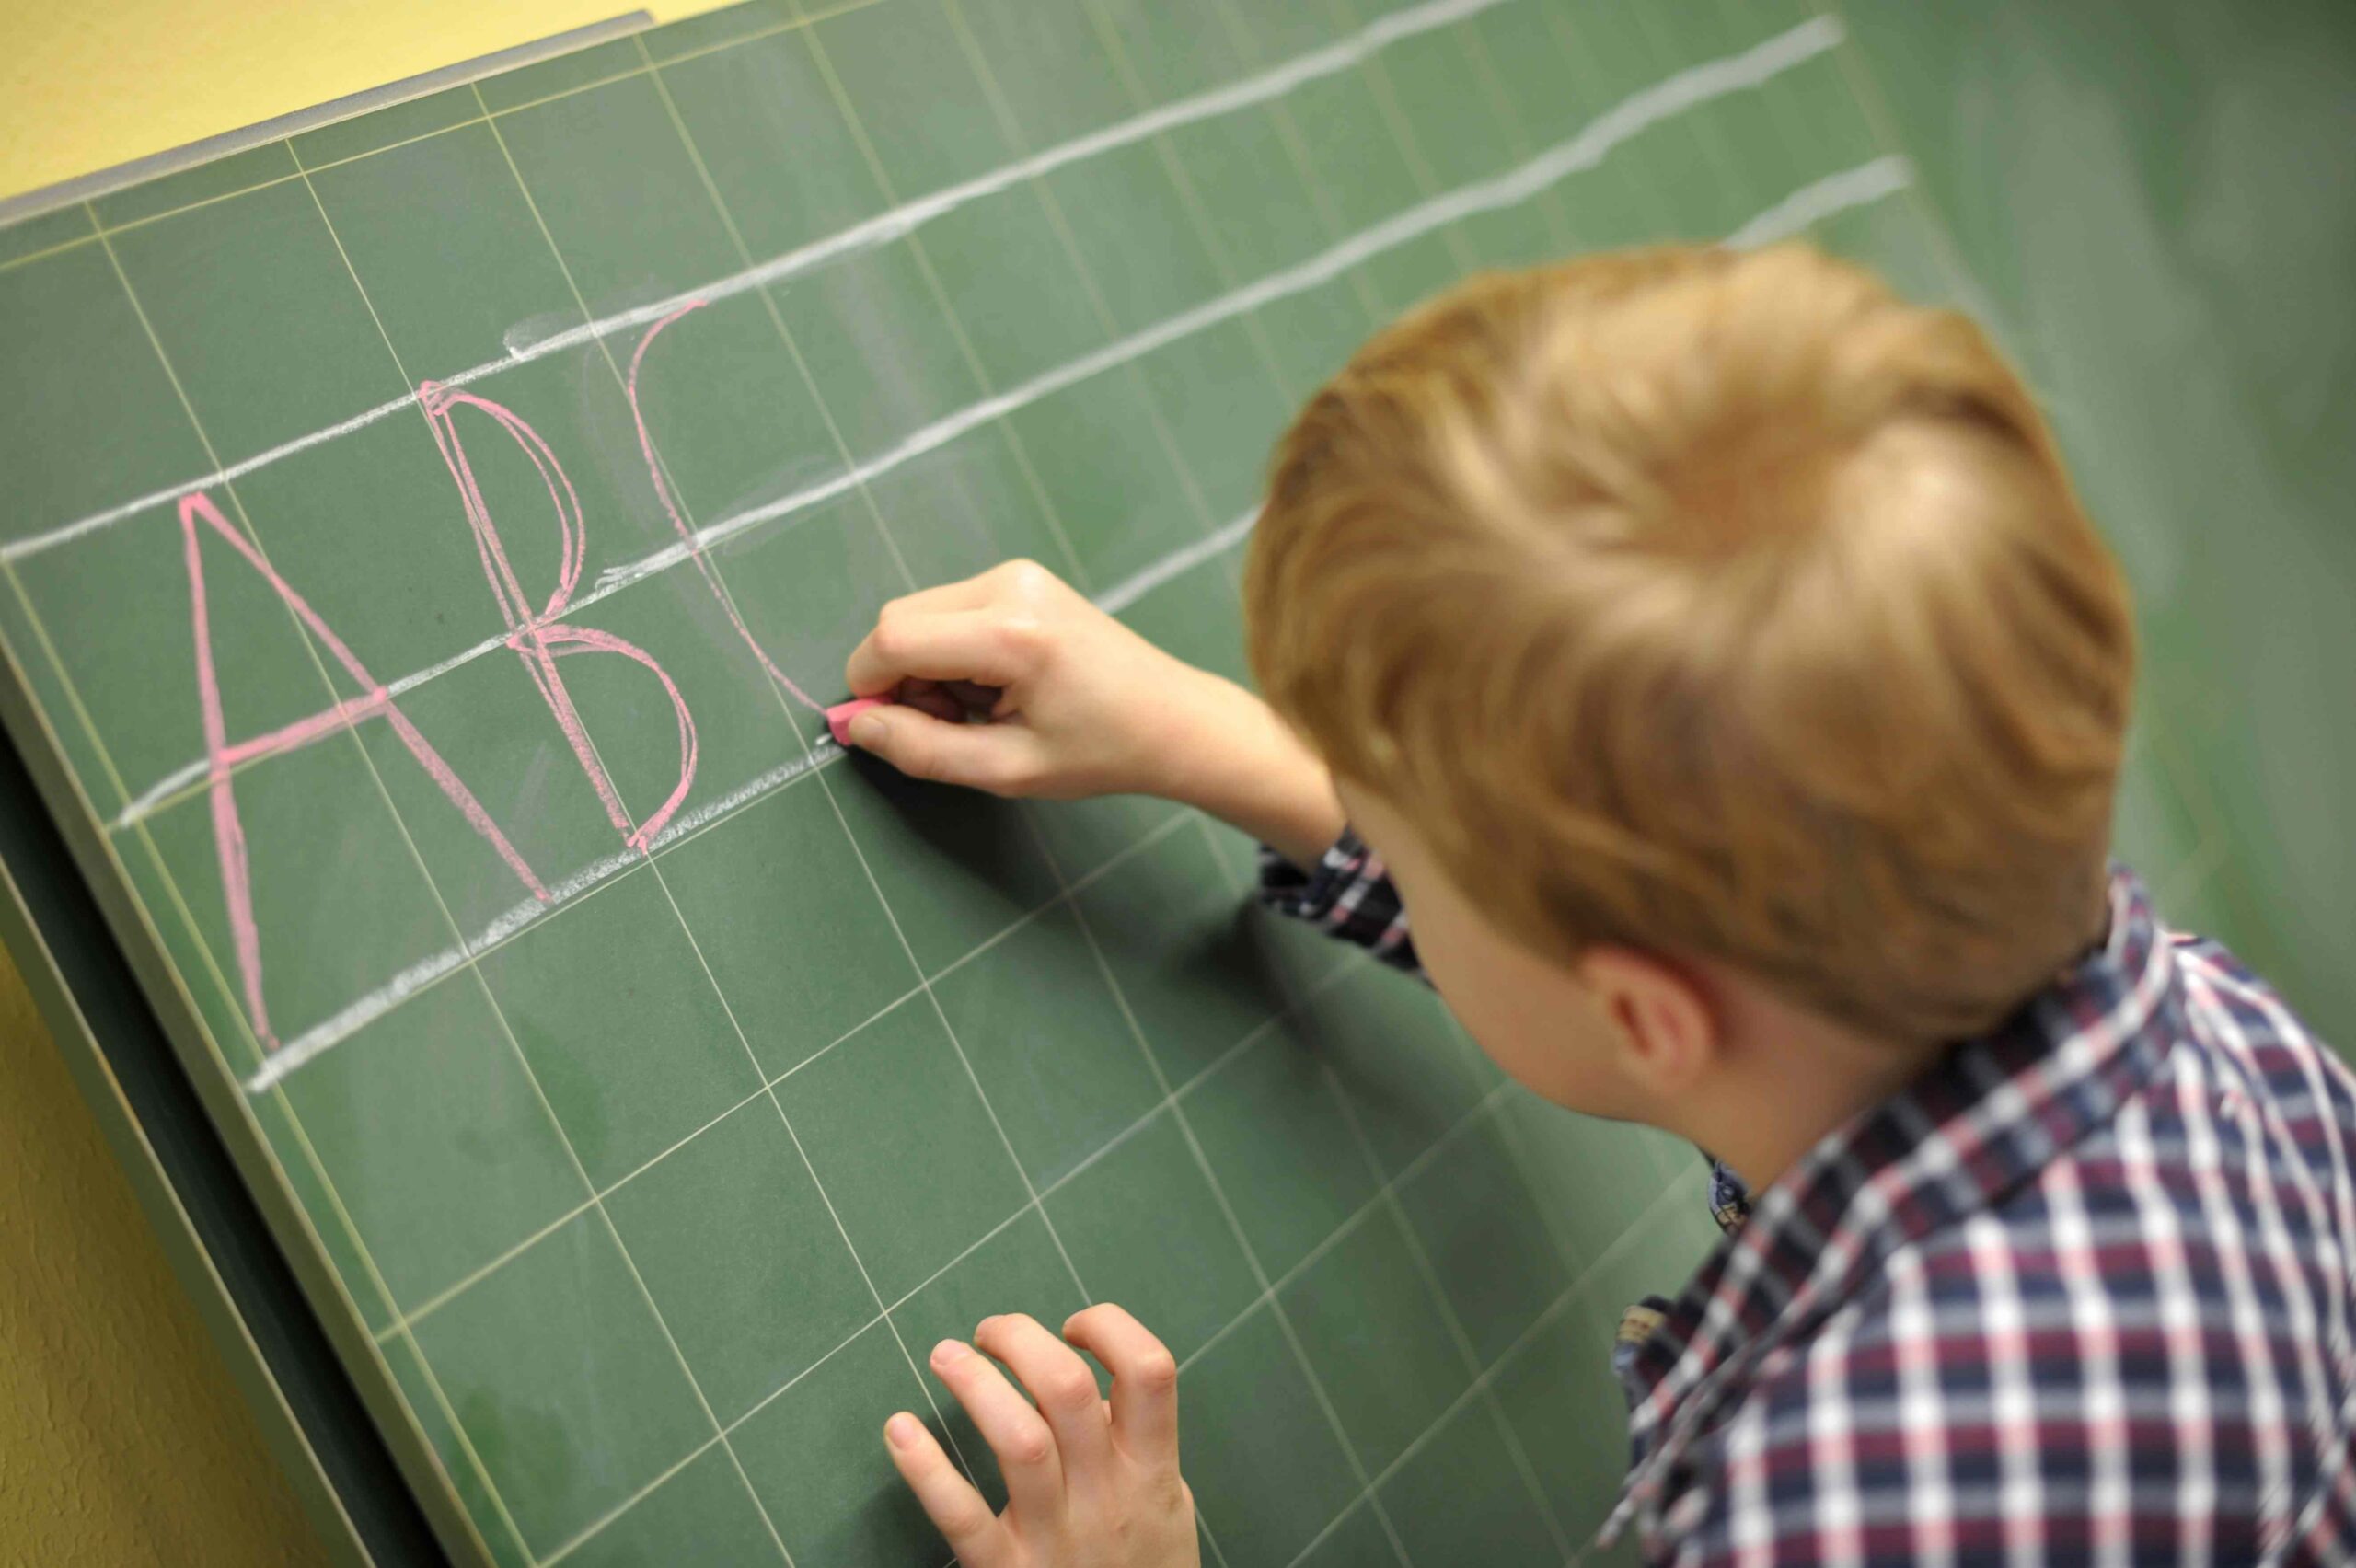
[(1089, 1484)]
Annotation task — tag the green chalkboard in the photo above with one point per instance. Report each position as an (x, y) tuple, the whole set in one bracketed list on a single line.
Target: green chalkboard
[(428, 538)]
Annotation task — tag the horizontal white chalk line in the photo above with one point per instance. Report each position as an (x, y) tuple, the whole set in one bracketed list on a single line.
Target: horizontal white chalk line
[(1130, 590), (166, 790), (1814, 202), (1811, 203), (350, 1019), (882, 229)]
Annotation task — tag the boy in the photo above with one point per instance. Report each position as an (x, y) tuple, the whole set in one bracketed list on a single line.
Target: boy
[(1709, 652)]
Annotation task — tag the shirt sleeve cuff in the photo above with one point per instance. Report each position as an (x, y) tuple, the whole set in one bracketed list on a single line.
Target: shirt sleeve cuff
[(1311, 895)]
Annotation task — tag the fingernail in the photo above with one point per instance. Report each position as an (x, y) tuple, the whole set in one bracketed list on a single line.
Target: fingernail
[(901, 1431), (867, 731), (949, 1352)]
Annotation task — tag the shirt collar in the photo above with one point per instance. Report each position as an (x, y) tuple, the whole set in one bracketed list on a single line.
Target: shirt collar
[(1986, 1117)]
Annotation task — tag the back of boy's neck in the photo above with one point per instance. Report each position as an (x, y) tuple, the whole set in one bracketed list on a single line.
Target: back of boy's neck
[(1789, 1080)]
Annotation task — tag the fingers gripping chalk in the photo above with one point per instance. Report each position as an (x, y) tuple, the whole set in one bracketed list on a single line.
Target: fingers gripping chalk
[(839, 715)]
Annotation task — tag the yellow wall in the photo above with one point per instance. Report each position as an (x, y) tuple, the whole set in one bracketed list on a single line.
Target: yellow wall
[(121, 1440), (89, 85)]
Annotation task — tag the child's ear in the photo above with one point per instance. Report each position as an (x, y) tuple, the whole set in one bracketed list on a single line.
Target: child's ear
[(1665, 1029)]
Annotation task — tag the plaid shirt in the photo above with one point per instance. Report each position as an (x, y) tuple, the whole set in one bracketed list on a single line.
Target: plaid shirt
[(2082, 1293)]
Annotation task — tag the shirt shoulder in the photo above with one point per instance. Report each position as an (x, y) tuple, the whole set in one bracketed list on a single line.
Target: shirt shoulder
[(2243, 1023), (2086, 1289), (2127, 1351)]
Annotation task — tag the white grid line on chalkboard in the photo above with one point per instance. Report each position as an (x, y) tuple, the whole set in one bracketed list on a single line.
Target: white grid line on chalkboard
[(1387, 1191), (327, 685), (409, 1318), (1402, 140), (1222, 265), (1713, 151), (490, 997), (1249, 1041), (1575, 67), (1150, 399), (1778, 113), (1419, 169), (1295, 145), (1517, 131), (992, 400), (882, 176), (1487, 1110), (1270, 1289), (1340, 1233), (875, 516), (482, 1471), (1680, 1190), (1218, 1189), (1149, 395)]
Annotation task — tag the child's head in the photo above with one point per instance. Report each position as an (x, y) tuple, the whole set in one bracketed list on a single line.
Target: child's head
[(1717, 611)]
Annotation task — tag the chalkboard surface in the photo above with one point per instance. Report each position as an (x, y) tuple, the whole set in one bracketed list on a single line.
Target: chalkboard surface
[(429, 539)]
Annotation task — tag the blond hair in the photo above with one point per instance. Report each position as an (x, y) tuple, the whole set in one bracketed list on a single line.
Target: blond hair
[(1715, 603)]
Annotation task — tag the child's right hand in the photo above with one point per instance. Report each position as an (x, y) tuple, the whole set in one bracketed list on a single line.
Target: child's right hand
[(1013, 683), (1077, 704)]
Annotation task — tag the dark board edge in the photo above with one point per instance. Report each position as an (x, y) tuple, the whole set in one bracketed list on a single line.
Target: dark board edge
[(261, 1282)]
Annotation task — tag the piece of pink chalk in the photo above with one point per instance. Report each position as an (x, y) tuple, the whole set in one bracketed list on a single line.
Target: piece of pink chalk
[(839, 715)]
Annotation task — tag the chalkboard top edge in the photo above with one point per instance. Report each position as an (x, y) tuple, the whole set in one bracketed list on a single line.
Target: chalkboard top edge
[(68, 193)]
